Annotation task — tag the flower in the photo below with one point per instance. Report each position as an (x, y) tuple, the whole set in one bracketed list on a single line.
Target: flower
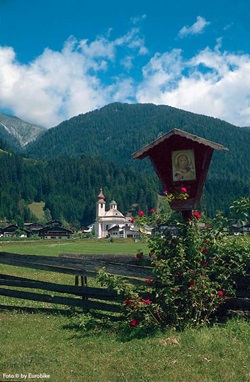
[(147, 301), (204, 250), (192, 271), (165, 192), (139, 255), (149, 281), (140, 213), (152, 210), (132, 220), (183, 189), (191, 283), (134, 323), (196, 214), (127, 302), (220, 293)]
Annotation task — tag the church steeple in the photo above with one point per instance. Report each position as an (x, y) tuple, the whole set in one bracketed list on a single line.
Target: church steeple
[(100, 205)]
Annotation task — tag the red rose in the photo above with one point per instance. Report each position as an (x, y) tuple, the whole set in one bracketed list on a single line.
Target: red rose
[(183, 189), (204, 250), (196, 214), (220, 293), (134, 323), (132, 220), (165, 192), (147, 301), (139, 256), (152, 210), (127, 302), (140, 213), (191, 283), (149, 281)]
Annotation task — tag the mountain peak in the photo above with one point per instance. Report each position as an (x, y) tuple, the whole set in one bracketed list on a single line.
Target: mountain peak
[(14, 128)]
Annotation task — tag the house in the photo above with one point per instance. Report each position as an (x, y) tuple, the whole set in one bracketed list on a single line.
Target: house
[(54, 230), (14, 231), (33, 228), (54, 233)]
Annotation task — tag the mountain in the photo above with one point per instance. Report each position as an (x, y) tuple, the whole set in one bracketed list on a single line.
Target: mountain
[(68, 163), (18, 133), (117, 130)]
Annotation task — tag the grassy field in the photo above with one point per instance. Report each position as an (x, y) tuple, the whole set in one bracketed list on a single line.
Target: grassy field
[(37, 209), (49, 344), (86, 246)]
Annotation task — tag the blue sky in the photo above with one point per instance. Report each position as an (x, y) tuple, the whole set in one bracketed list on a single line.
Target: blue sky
[(62, 58)]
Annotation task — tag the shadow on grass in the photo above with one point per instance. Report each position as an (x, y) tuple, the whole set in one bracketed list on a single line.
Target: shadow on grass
[(95, 324)]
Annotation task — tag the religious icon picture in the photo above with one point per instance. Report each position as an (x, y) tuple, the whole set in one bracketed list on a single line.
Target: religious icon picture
[(183, 165)]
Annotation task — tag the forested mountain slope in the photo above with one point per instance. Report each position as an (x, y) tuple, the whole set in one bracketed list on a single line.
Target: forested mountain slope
[(71, 161), (117, 130), (69, 187)]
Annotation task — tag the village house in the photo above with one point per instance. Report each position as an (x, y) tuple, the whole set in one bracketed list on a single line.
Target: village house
[(54, 230)]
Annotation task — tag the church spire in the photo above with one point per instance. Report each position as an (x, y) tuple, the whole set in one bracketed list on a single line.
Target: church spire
[(101, 197)]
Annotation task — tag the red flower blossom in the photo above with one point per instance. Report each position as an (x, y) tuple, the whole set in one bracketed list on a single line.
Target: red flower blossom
[(220, 293), (191, 283), (127, 302), (134, 323), (140, 213), (149, 281), (139, 255), (165, 192), (152, 210), (196, 214), (183, 189), (132, 220), (204, 250), (147, 301)]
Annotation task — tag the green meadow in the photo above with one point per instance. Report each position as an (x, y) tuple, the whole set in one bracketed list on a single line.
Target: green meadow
[(50, 347)]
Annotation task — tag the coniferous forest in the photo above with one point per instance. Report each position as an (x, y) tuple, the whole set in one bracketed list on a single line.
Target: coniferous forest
[(66, 165)]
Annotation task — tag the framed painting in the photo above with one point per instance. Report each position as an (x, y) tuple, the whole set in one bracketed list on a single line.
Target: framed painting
[(183, 165)]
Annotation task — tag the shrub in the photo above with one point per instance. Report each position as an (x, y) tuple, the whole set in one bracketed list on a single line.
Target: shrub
[(194, 272)]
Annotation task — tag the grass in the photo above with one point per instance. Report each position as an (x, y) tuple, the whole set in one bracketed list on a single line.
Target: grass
[(46, 344), (51, 344), (37, 208), (85, 246)]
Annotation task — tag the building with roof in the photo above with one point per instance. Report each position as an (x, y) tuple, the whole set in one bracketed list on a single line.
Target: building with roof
[(108, 221)]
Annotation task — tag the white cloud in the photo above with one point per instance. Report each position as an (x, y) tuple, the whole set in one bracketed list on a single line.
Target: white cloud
[(59, 85), (197, 28), (86, 75), (213, 83)]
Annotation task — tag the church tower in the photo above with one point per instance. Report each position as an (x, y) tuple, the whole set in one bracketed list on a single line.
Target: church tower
[(100, 205), (100, 212)]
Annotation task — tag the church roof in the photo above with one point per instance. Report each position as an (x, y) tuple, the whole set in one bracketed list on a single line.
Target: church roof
[(113, 212), (101, 197)]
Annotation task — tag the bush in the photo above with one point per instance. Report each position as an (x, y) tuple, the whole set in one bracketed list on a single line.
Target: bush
[(194, 272)]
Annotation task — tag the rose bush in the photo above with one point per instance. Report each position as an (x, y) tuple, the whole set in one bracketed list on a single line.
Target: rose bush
[(194, 271)]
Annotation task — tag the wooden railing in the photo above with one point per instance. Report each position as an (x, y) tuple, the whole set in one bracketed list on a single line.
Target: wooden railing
[(83, 267)]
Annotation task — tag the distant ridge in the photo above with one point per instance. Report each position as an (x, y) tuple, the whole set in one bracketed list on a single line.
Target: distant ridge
[(17, 132)]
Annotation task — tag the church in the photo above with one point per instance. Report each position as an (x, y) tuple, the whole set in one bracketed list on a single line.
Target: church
[(112, 222)]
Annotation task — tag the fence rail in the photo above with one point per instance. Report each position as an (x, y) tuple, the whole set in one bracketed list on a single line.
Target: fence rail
[(82, 267)]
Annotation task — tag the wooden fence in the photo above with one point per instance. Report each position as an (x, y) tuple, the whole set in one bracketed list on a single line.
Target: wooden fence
[(79, 293)]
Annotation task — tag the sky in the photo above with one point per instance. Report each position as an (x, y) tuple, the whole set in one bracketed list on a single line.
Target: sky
[(62, 58)]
